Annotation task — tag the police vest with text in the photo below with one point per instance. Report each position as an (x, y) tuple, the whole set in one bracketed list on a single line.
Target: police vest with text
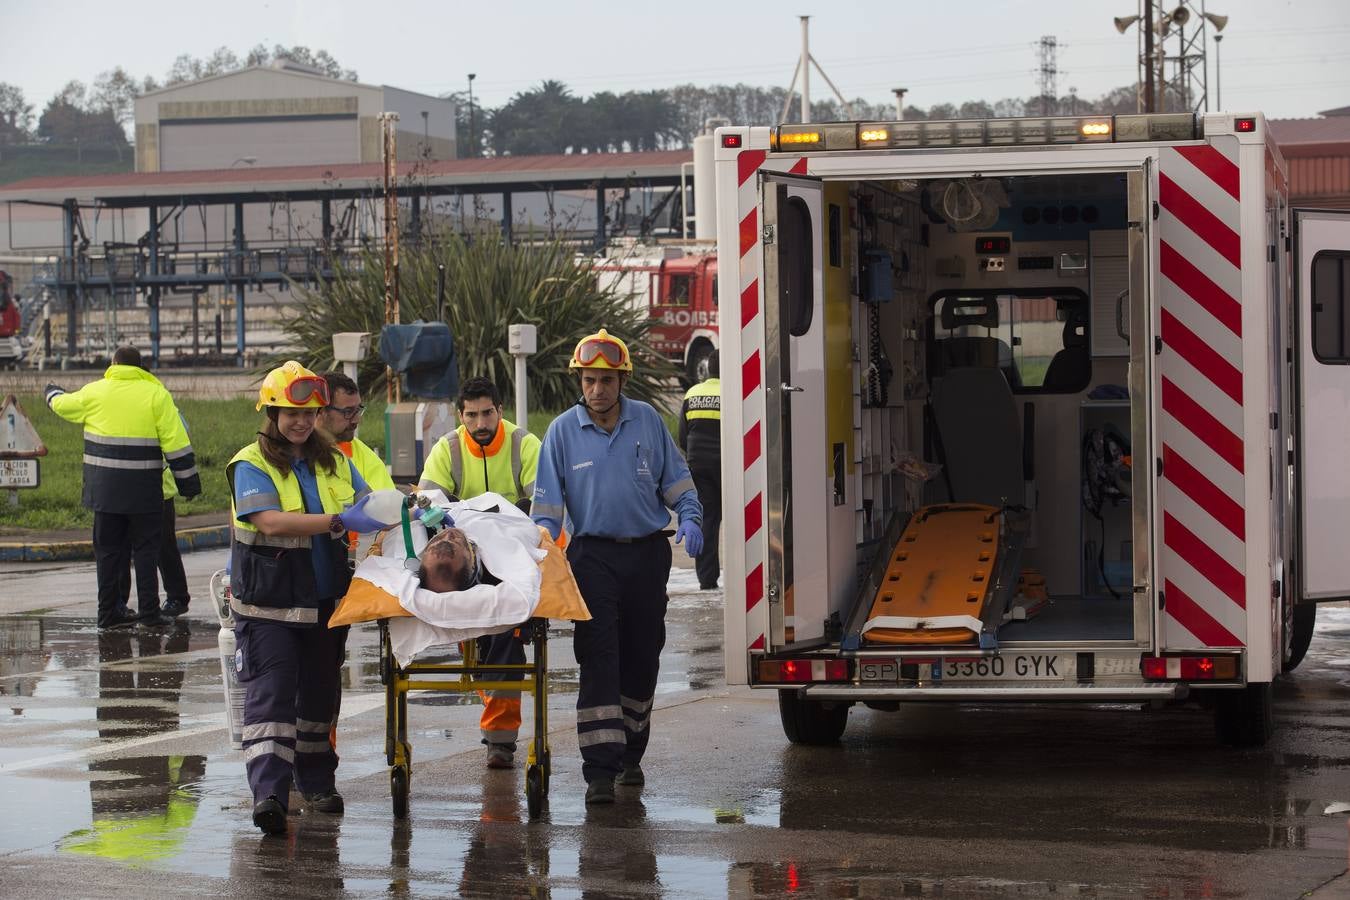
[(702, 425)]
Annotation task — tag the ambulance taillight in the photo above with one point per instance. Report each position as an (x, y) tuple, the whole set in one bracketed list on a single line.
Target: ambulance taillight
[(1189, 668), (802, 671)]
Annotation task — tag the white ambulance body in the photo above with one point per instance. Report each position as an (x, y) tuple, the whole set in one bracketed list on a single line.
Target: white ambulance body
[(1135, 279)]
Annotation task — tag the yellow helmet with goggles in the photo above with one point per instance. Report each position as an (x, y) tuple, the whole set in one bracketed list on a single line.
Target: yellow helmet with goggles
[(601, 351), (293, 386)]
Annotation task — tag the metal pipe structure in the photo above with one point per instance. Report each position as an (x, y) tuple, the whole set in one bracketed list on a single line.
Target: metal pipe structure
[(805, 64), (239, 284), (389, 122), (152, 296)]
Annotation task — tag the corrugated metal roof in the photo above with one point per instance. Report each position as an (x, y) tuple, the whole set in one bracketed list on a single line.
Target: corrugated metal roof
[(503, 170), (1289, 132)]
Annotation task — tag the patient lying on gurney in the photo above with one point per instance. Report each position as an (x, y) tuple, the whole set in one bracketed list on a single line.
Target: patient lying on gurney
[(450, 562), (489, 571)]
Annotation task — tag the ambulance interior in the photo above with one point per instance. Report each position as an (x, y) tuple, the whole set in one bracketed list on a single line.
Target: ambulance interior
[(991, 354)]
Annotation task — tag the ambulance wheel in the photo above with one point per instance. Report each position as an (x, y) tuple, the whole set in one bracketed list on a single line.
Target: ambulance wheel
[(811, 721), (534, 791), (1298, 633), (1245, 718), (398, 790)]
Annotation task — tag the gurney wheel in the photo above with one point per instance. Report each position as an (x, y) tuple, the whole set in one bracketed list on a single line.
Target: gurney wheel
[(534, 791), (398, 790)]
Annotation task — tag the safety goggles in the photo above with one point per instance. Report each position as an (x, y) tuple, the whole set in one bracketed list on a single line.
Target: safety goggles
[(596, 348), (305, 388), (349, 412)]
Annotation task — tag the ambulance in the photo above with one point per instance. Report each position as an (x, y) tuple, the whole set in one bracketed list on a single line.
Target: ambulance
[(1028, 410)]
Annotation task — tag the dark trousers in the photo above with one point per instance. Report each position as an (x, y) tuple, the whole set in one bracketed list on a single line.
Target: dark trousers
[(120, 540), (170, 562), (619, 649), (290, 677), (708, 483)]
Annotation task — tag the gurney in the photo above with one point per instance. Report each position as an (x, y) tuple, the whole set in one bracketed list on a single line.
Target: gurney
[(953, 574), (536, 584), (952, 578)]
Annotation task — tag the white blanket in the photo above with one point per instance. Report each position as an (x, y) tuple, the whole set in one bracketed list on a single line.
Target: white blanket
[(508, 543)]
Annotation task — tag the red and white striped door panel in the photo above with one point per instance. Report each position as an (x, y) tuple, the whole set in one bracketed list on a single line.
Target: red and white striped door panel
[(1198, 374), (751, 321)]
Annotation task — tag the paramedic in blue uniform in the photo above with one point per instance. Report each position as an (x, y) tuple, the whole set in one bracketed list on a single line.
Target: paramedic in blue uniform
[(610, 466), (295, 497)]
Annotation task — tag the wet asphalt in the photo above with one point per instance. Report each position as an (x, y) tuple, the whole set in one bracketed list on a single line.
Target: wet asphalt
[(116, 779)]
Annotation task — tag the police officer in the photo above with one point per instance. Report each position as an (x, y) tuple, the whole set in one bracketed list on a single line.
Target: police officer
[(611, 467), (131, 428), (295, 497), (488, 453), (701, 440), (340, 419)]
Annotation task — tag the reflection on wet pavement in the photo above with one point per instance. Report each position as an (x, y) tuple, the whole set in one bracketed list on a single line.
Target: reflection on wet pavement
[(112, 753)]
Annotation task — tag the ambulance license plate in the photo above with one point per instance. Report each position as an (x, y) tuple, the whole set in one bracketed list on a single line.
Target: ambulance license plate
[(1009, 667)]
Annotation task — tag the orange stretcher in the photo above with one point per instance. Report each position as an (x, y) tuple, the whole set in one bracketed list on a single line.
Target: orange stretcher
[(951, 578)]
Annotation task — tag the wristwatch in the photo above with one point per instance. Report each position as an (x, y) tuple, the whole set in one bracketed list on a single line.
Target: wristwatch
[(335, 526)]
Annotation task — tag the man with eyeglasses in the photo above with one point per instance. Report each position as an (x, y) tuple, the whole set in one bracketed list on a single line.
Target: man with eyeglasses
[(340, 419), (488, 453), (610, 466)]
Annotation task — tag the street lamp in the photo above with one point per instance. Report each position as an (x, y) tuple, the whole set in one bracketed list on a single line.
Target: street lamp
[(1218, 22), (472, 147)]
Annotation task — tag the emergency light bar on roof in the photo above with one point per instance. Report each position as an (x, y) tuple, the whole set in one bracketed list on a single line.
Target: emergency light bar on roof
[(984, 132)]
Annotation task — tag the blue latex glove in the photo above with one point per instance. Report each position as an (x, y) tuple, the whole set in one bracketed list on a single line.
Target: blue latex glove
[(355, 518), (692, 534)]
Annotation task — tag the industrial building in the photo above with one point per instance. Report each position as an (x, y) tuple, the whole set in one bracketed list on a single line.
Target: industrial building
[(284, 114)]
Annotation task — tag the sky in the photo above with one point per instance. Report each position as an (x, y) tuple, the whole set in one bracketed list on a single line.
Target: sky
[(1287, 58)]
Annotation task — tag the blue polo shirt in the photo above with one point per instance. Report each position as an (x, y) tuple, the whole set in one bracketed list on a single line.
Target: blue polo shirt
[(617, 485), (252, 482)]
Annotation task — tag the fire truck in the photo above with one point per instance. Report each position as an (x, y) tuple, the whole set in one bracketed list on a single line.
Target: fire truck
[(1034, 409), (678, 287)]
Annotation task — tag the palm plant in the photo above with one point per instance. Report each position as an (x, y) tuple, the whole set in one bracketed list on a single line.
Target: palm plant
[(489, 285)]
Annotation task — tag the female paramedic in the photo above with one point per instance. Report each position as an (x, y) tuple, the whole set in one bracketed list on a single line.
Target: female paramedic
[(295, 497)]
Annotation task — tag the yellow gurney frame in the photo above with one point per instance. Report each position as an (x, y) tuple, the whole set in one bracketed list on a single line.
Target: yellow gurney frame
[(458, 678)]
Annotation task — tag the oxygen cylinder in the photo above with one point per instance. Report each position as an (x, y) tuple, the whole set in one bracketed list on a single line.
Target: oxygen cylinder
[(229, 674)]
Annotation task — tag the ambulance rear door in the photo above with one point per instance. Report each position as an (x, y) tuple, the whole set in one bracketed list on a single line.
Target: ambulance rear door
[(1322, 433), (794, 364)]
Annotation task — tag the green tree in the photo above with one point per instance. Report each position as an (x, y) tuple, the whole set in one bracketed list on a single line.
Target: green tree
[(70, 119), (16, 115)]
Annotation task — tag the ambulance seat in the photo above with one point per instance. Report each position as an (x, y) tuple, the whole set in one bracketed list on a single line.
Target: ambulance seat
[(1070, 369), (980, 436)]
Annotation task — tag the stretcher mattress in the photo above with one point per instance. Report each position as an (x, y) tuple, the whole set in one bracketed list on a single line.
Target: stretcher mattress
[(937, 580)]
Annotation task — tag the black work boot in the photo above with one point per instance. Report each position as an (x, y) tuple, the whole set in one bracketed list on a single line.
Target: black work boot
[(632, 776), (329, 801), (270, 816), (601, 790)]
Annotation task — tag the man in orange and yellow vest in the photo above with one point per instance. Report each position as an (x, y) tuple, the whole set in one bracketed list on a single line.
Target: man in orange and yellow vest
[(488, 453)]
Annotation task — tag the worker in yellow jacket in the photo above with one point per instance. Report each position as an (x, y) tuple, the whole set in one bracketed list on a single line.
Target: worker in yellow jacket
[(131, 429), (488, 453), (340, 419)]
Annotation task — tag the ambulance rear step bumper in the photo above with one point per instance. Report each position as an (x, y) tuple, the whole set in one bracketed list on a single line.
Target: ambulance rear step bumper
[(1120, 692)]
